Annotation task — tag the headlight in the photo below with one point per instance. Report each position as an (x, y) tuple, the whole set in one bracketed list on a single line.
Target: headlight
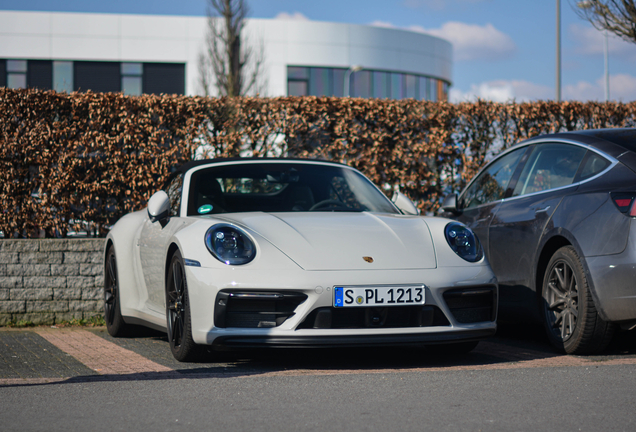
[(463, 241), (229, 244)]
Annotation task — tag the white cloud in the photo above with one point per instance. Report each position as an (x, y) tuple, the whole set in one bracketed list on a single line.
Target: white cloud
[(436, 4), (475, 42), (297, 16), (384, 24), (470, 41), (592, 42), (502, 91), (622, 88)]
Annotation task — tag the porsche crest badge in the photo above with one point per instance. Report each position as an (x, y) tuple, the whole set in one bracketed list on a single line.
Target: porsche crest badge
[(368, 259)]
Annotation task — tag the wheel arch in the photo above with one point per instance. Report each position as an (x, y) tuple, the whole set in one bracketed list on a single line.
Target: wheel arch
[(174, 247), (551, 244), (122, 237), (549, 248)]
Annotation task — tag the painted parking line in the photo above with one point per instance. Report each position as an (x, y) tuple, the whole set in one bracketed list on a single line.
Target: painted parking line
[(98, 354)]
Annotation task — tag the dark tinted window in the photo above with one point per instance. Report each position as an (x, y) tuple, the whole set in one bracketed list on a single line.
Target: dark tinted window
[(492, 183), (166, 78), (283, 187), (97, 76), (593, 165), (3, 73), (549, 166), (40, 74)]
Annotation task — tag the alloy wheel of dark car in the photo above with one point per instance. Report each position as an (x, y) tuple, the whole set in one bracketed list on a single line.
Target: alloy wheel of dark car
[(178, 313), (112, 309), (569, 314)]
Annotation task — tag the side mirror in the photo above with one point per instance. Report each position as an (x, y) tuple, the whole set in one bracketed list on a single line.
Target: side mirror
[(158, 206), (402, 202), (450, 203)]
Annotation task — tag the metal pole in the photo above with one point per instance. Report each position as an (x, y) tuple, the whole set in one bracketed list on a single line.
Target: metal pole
[(347, 78), (607, 83), (558, 50)]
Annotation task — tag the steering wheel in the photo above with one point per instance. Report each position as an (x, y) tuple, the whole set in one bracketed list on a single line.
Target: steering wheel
[(328, 204)]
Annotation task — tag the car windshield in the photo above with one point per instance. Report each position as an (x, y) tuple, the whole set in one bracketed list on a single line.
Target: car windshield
[(283, 187)]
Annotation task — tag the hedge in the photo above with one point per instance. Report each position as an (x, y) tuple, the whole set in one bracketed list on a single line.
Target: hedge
[(71, 158)]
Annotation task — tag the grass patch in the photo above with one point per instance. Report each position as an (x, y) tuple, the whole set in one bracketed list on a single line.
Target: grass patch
[(94, 321)]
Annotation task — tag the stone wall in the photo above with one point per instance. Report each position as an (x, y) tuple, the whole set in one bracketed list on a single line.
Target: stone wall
[(48, 281)]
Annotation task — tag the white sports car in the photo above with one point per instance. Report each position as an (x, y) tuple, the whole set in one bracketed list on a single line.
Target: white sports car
[(240, 253)]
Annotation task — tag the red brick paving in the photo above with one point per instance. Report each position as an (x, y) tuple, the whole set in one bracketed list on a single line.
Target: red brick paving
[(98, 354)]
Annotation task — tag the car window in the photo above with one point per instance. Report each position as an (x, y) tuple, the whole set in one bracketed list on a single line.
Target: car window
[(174, 194), (549, 166), (283, 187), (593, 165), (492, 182)]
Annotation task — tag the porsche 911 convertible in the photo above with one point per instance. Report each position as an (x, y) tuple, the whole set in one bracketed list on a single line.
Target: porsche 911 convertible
[(244, 253)]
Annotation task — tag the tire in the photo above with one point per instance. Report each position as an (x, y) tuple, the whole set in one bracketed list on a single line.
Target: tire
[(178, 313), (112, 302), (568, 311)]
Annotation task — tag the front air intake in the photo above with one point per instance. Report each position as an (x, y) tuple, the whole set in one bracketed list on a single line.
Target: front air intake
[(255, 309), (472, 305)]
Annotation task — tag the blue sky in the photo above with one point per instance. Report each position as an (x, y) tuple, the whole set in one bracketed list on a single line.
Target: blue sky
[(503, 49)]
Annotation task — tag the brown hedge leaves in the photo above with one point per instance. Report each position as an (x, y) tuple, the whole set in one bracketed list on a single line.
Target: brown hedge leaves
[(66, 158)]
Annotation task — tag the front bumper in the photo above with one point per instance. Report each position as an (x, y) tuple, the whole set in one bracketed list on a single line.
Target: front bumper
[(304, 341), (204, 286)]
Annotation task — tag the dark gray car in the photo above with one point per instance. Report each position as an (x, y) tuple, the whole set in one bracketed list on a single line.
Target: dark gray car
[(555, 215)]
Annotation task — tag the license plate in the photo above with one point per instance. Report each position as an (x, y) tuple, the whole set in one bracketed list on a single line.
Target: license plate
[(399, 295)]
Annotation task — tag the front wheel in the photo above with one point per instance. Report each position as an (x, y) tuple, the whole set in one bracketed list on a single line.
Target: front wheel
[(178, 313), (569, 314)]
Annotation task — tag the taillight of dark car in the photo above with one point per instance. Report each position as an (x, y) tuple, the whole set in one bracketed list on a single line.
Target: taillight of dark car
[(625, 202)]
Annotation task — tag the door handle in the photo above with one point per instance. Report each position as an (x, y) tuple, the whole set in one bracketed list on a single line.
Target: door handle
[(543, 210)]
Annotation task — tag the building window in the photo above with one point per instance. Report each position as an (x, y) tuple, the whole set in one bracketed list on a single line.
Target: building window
[(361, 84), (424, 89), (397, 86), (381, 87), (96, 76), (297, 81), (167, 78), (321, 81), (16, 74), (63, 76), (411, 83), (131, 74)]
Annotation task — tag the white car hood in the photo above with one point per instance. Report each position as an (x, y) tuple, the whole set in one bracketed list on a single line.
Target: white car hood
[(339, 241)]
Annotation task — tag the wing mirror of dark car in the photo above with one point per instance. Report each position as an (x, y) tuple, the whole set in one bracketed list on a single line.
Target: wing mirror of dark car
[(402, 202), (450, 203), (159, 207)]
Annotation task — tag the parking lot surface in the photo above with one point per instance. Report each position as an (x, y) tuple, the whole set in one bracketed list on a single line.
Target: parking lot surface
[(78, 379), (48, 354)]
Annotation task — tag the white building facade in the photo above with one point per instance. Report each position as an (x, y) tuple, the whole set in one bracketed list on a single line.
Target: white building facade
[(159, 54)]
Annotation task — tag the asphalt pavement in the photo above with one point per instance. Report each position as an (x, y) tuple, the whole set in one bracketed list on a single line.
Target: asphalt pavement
[(83, 379)]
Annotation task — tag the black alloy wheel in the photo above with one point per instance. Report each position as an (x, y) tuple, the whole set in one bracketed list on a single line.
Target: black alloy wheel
[(569, 314), (178, 313), (112, 310)]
